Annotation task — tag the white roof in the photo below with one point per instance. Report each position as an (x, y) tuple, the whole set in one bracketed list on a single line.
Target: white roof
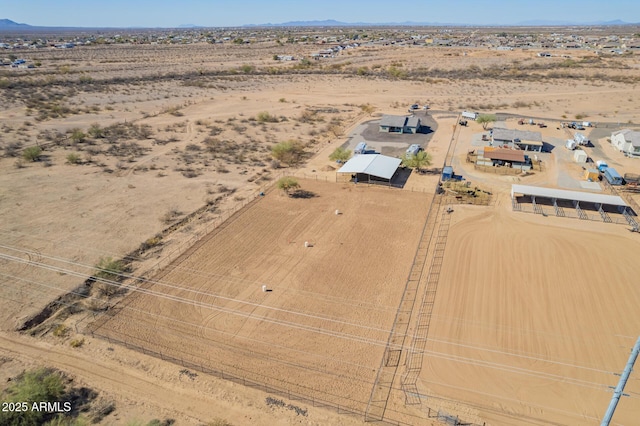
[(372, 164), (562, 194)]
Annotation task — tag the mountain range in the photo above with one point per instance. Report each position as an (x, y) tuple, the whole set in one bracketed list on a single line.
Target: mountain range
[(7, 24)]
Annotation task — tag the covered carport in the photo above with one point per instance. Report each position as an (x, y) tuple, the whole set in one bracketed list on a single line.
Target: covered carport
[(371, 168)]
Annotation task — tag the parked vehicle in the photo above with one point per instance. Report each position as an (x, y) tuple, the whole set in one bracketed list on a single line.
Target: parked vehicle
[(414, 149), (361, 148)]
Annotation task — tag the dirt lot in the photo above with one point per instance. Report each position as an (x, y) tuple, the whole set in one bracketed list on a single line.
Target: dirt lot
[(188, 139), (533, 317)]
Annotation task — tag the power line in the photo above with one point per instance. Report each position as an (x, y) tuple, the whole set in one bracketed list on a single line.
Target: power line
[(195, 326), (211, 306), (198, 292)]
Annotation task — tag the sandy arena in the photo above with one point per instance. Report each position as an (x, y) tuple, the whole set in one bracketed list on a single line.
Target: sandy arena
[(321, 328)]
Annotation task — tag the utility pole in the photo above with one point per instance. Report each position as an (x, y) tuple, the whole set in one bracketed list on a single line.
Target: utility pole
[(617, 393)]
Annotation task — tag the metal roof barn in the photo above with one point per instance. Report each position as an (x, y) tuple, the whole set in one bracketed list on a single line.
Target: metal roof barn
[(561, 194), (377, 165)]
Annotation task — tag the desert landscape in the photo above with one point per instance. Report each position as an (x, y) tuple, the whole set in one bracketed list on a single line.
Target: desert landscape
[(143, 231)]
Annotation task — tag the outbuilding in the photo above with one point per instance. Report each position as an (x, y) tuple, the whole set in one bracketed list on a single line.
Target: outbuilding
[(522, 139), (447, 173), (592, 175), (579, 156)]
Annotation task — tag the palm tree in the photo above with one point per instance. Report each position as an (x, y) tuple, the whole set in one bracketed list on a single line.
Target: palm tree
[(417, 161)]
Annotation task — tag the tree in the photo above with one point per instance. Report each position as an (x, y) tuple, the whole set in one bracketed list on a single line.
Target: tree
[(289, 152), (485, 119), (340, 154), (287, 184), (418, 161)]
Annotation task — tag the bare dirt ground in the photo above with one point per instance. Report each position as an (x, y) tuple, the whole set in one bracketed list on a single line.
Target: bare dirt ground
[(533, 318), (322, 329), (180, 134)]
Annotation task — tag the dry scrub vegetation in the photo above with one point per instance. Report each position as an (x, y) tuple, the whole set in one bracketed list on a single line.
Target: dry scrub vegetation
[(117, 156)]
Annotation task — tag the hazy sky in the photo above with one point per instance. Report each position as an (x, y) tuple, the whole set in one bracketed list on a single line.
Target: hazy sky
[(226, 13)]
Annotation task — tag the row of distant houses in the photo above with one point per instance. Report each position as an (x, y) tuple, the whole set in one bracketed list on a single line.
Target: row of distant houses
[(331, 52)]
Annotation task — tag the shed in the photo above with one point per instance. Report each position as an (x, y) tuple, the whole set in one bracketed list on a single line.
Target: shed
[(447, 173), (591, 175), (579, 156)]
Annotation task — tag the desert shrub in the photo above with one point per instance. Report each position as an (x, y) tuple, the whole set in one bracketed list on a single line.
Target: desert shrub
[(12, 149), (42, 385), (265, 117), (394, 72), (290, 152), (190, 173), (151, 242), (215, 130), (95, 131), (78, 136), (174, 110), (61, 330), (172, 214), (109, 269), (340, 154), (247, 69), (76, 343), (32, 153), (73, 158)]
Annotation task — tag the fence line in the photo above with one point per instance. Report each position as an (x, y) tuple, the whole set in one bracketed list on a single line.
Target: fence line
[(203, 367), (526, 208)]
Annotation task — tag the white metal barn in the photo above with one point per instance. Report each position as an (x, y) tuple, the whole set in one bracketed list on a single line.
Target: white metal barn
[(371, 168)]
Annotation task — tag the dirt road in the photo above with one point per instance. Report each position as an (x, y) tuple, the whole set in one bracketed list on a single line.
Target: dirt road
[(142, 386)]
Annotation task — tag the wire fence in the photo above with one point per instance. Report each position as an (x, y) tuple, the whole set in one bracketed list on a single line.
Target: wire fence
[(571, 213), (204, 366)]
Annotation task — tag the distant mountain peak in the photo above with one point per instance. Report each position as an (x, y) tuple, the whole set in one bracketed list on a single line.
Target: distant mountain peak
[(8, 23)]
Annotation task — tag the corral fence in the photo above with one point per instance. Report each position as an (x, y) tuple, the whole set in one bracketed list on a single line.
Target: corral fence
[(570, 213), (202, 367), (498, 170)]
